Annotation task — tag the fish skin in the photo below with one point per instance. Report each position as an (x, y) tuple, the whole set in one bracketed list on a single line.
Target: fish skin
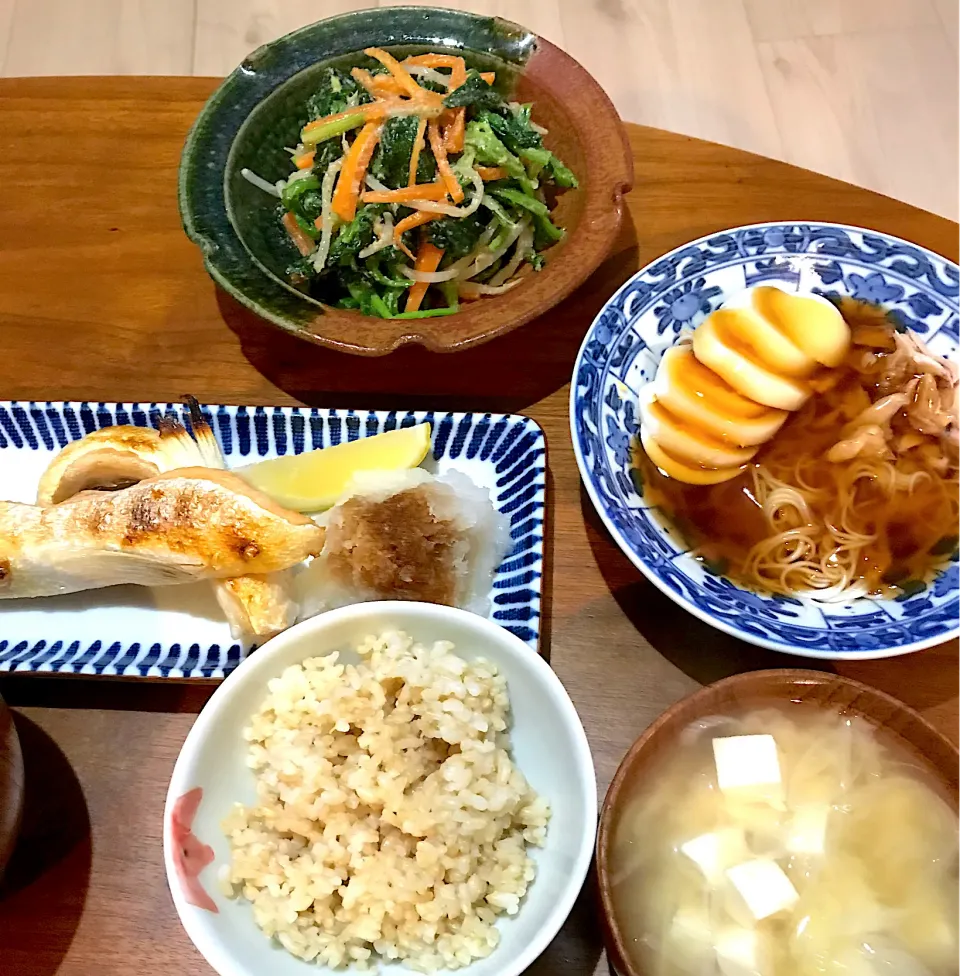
[(108, 454), (184, 525), (257, 606)]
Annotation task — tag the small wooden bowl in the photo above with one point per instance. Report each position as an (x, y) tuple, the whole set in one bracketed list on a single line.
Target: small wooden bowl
[(756, 688), (11, 784), (260, 108)]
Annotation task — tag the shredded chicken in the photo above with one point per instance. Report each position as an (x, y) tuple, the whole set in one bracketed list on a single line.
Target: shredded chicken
[(925, 413), (867, 442), (918, 403), (878, 413)]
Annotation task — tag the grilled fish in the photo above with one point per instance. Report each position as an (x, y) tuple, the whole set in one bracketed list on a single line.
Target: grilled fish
[(120, 456), (185, 525)]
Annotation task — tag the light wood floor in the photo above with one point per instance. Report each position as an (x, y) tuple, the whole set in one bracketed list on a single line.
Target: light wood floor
[(864, 90)]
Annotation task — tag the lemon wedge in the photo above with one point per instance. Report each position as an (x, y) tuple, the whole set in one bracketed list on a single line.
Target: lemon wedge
[(313, 481)]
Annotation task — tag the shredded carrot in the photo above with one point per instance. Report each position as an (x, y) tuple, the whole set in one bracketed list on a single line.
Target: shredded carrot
[(454, 133), (305, 161), (354, 169), (363, 77), (489, 77), (372, 110), (419, 191), (417, 149), (297, 235), (385, 85), (406, 82), (487, 173), (428, 259), (417, 219), (380, 86), (443, 164)]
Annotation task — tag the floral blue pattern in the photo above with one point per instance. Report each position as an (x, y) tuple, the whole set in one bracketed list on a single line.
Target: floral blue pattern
[(874, 289), (920, 290), (681, 304)]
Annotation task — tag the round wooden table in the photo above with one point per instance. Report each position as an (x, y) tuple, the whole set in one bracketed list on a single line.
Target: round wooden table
[(103, 298)]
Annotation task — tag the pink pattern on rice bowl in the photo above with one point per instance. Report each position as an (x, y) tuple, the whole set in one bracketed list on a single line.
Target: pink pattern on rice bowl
[(190, 855)]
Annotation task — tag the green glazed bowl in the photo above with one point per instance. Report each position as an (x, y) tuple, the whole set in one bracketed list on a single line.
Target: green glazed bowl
[(260, 108)]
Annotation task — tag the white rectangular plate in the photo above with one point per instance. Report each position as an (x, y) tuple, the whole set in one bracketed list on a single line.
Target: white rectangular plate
[(179, 631)]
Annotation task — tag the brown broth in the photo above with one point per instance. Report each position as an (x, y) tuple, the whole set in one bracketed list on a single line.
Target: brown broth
[(916, 530)]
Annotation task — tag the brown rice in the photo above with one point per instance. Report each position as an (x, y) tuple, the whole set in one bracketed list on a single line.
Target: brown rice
[(390, 821)]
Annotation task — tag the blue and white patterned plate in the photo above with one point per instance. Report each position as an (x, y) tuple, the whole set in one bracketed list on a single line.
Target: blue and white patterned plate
[(620, 354), (179, 631)]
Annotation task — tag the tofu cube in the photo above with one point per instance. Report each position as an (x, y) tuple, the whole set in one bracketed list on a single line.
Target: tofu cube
[(807, 829), (748, 768), (713, 853), (740, 952), (763, 886)]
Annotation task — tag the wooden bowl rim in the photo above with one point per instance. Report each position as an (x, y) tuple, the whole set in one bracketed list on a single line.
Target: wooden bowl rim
[(11, 801), (755, 682)]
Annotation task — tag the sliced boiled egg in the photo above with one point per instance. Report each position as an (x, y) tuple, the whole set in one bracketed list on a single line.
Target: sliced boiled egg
[(762, 338), (686, 442), (716, 345), (714, 401), (694, 393), (810, 322), (673, 467)]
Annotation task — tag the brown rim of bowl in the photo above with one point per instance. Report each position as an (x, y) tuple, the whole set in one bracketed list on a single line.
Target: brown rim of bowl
[(831, 689)]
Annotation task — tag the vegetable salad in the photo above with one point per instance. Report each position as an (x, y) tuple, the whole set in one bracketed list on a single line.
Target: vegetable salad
[(417, 186)]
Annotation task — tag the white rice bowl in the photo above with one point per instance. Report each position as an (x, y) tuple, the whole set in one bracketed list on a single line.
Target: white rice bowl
[(456, 878)]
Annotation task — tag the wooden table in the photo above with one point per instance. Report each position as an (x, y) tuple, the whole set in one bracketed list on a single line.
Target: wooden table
[(102, 297)]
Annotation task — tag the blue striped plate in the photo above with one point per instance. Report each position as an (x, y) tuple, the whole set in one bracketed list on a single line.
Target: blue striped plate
[(179, 631)]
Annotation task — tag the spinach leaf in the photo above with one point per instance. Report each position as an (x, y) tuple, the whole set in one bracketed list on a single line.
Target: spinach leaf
[(513, 129), (367, 298), (292, 192), (371, 268), (324, 155), (303, 199), (542, 160), (546, 231), (391, 162), (353, 237), (427, 313), (337, 92), (490, 151), (309, 206), (456, 236), (474, 92), (516, 133)]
